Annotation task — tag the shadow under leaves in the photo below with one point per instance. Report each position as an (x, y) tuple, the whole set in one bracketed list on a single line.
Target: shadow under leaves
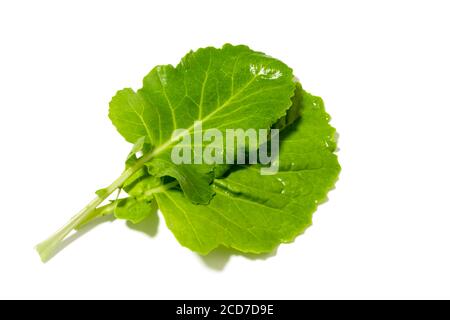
[(219, 258)]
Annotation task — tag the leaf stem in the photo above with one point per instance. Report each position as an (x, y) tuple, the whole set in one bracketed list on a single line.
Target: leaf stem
[(109, 208), (98, 212), (49, 247)]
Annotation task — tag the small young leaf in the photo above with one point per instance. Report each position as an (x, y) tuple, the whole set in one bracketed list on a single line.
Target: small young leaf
[(141, 145), (134, 210), (144, 187), (194, 183)]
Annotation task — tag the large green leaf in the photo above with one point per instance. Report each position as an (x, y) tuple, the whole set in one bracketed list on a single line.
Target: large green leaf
[(227, 88), (255, 213)]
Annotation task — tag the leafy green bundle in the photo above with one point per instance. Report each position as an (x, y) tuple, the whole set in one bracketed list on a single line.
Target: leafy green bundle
[(212, 205)]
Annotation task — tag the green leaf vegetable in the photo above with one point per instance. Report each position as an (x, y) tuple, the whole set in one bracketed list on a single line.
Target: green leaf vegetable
[(212, 205)]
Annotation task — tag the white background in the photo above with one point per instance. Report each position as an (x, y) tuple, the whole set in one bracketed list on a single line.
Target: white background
[(383, 68)]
